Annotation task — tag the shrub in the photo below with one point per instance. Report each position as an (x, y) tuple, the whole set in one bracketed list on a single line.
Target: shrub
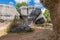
[(47, 15)]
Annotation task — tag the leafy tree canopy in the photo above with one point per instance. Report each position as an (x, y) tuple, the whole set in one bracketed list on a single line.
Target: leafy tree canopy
[(21, 4)]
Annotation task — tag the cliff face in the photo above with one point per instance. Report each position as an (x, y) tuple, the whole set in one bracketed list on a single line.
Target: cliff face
[(7, 12), (25, 11)]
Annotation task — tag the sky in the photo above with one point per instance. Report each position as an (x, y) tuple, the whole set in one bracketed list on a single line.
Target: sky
[(29, 2)]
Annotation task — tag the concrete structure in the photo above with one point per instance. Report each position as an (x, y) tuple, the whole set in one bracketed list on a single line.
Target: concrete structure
[(8, 12)]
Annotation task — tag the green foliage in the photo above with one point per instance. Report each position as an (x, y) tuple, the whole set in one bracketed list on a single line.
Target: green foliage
[(21, 4), (47, 15)]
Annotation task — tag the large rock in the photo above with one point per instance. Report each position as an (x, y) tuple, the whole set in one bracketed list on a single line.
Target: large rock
[(8, 12), (29, 13), (40, 21), (20, 27)]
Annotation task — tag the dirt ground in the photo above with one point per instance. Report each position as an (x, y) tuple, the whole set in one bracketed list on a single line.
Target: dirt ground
[(39, 33)]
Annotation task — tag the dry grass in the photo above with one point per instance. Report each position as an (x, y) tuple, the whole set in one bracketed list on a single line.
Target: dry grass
[(38, 34), (3, 29)]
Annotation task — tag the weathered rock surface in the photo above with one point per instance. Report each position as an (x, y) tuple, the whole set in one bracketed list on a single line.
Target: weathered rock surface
[(8, 12), (40, 21), (20, 27), (32, 14)]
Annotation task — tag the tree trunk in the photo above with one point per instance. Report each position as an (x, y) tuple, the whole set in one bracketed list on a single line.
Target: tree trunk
[(54, 7)]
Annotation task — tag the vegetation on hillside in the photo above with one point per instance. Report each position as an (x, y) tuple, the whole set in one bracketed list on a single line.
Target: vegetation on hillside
[(21, 4)]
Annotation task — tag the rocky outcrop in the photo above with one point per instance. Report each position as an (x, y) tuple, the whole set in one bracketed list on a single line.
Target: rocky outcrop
[(30, 14), (8, 12)]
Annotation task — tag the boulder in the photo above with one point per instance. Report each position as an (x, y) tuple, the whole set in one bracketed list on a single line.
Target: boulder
[(40, 21), (8, 12), (20, 27)]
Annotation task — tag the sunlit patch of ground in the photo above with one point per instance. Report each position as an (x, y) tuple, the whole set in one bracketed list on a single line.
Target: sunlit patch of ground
[(39, 33), (3, 28)]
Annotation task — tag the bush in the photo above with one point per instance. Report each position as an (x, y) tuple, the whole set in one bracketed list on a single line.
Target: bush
[(47, 15)]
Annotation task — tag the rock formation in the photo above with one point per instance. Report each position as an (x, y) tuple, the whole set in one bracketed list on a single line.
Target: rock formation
[(8, 12), (31, 14)]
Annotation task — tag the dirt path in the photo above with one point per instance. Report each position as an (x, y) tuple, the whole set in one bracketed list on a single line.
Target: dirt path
[(38, 34)]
